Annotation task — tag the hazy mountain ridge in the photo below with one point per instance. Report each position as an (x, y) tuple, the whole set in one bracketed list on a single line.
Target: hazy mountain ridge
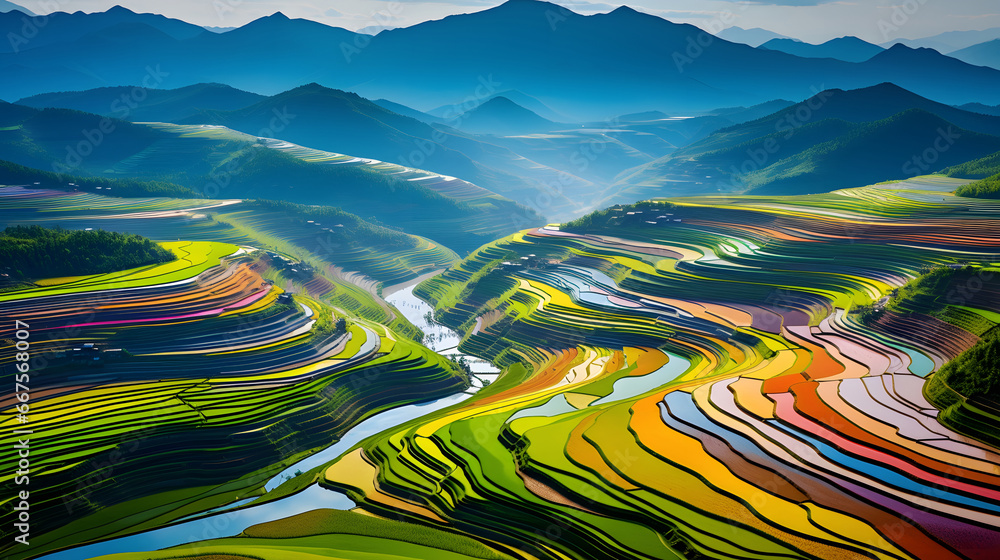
[(155, 104), (849, 49), (502, 116), (982, 54), (550, 62), (224, 163)]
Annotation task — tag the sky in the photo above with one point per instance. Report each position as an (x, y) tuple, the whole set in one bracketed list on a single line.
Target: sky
[(876, 21)]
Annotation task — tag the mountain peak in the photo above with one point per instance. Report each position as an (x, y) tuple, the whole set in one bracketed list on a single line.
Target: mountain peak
[(527, 3), (501, 105), (504, 104), (900, 50), (311, 86), (887, 87), (624, 10), (500, 115)]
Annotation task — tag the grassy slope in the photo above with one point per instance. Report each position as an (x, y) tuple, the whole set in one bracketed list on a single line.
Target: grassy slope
[(14, 174), (977, 168)]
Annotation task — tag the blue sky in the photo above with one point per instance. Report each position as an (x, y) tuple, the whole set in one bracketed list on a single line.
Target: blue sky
[(811, 20)]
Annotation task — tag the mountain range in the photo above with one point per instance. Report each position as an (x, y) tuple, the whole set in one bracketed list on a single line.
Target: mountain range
[(569, 113), (849, 49), (982, 54), (949, 41), (646, 62), (64, 28), (982, 109), (6, 6), (154, 105), (222, 163), (755, 36), (513, 161), (834, 139), (556, 169)]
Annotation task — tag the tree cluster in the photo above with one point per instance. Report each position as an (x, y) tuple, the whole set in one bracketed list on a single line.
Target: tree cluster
[(37, 252)]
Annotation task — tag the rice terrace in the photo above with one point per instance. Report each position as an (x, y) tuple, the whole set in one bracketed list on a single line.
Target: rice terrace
[(500, 280)]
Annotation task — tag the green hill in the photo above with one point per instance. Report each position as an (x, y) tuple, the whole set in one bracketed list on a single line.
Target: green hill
[(215, 162), (735, 158), (69, 141), (14, 174), (967, 390), (976, 372), (34, 251), (977, 168), (911, 143), (169, 105), (343, 122), (983, 188)]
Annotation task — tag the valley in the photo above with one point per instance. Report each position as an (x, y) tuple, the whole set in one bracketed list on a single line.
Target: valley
[(517, 281)]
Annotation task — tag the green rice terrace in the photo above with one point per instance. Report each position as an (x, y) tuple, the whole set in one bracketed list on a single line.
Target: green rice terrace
[(720, 377)]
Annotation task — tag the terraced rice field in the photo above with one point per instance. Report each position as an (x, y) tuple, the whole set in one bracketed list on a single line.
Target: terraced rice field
[(219, 388), (349, 274), (697, 388)]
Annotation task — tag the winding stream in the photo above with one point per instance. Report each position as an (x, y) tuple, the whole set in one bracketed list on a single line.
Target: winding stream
[(439, 338)]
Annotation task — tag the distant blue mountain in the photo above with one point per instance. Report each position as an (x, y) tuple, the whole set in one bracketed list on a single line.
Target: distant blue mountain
[(63, 28), (949, 41), (993, 110), (451, 110), (587, 67), (754, 36), (401, 109), (6, 6), (983, 54), (344, 122), (850, 49), (501, 116), (167, 105)]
